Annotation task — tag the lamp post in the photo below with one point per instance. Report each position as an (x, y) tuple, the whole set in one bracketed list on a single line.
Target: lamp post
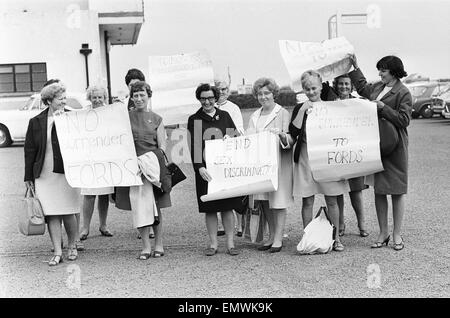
[(85, 50)]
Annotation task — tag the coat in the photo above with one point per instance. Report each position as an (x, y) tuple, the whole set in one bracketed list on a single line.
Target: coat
[(198, 123), (35, 144), (394, 178), (278, 118)]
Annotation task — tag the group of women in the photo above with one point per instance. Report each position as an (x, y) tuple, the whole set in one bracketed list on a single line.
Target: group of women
[(44, 168)]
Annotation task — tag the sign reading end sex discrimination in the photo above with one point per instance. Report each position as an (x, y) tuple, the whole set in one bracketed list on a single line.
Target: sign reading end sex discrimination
[(97, 147), (343, 139), (242, 165)]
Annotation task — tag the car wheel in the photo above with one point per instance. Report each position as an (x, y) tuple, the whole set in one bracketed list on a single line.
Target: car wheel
[(426, 111), (5, 139)]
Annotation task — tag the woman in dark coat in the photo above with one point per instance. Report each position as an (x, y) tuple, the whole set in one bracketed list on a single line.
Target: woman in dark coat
[(394, 103), (217, 123)]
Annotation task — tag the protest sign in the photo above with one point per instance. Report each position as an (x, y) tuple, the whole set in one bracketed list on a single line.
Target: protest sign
[(343, 139), (174, 79), (330, 58), (97, 147), (242, 165)]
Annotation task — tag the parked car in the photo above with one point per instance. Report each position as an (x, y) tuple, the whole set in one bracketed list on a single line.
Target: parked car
[(423, 94), (441, 104), (14, 123)]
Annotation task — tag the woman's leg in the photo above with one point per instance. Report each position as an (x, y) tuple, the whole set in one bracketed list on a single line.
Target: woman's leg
[(144, 232), (280, 221), (238, 222), (381, 206), (88, 209), (357, 204), (220, 226), (228, 224), (398, 210), (158, 230), (102, 204), (211, 227), (54, 229), (307, 208), (270, 220), (340, 202), (333, 213), (70, 224)]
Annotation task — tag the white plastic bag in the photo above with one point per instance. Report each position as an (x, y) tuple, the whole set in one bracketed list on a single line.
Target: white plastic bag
[(318, 236)]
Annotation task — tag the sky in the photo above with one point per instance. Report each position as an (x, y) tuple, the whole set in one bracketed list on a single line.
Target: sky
[(243, 35)]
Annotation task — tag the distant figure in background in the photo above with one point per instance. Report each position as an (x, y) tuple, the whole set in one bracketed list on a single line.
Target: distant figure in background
[(133, 75), (394, 104), (44, 171), (235, 112), (98, 97)]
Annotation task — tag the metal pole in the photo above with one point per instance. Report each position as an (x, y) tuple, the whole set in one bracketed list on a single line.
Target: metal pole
[(87, 70)]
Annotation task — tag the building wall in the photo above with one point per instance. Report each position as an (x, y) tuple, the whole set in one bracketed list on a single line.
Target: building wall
[(52, 32)]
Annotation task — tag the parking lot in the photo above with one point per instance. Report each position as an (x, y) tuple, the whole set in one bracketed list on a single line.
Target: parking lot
[(109, 268)]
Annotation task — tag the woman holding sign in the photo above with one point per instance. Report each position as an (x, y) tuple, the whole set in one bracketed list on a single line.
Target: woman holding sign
[(98, 96), (304, 183), (343, 87), (274, 118), (394, 104), (206, 124), (44, 171)]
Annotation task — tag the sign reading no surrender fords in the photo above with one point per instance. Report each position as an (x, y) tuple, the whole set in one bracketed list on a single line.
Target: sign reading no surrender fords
[(343, 139), (242, 165), (97, 147)]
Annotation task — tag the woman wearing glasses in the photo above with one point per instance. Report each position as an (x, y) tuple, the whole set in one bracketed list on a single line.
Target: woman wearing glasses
[(206, 124)]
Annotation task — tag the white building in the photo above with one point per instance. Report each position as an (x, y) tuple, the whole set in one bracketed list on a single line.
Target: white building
[(42, 39)]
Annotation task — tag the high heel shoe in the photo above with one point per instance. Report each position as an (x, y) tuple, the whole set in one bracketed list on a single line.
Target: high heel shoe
[(399, 246), (380, 244), (275, 249), (363, 233), (342, 230), (55, 260), (264, 247)]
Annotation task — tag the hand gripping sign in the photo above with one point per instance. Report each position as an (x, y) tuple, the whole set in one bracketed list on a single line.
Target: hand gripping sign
[(330, 58), (242, 165), (343, 139), (97, 147)]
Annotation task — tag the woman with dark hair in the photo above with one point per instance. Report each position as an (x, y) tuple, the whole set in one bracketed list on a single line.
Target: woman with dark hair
[(394, 104), (209, 123), (343, 87)]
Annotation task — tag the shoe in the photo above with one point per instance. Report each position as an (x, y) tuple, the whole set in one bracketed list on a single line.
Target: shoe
[(338, 247), (239, 233), (342, 230), (83, 236), (363, 233), (55, 260), (232, 251), (221, 233), (151, 235), (399, 246), (380, 244), (144, 256), (275, 249), (105, 233), (210, 251), (79, 246), (264, 247), (157, 254)]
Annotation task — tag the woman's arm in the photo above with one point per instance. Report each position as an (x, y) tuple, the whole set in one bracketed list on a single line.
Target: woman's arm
[(30, 151), (401, 117), (161, 136), (359, 81)]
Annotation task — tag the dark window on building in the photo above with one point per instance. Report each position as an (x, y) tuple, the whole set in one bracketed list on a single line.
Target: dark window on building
[(24, 77)]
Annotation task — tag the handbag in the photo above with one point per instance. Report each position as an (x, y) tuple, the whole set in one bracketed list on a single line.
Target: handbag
[(318, 236), (254, 223), (175, 172), (31, 217)]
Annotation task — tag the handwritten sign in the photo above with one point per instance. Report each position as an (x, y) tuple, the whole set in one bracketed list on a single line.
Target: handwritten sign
[(242, 165), (343, 139), (174, 79), (329, 58), (97, 147)]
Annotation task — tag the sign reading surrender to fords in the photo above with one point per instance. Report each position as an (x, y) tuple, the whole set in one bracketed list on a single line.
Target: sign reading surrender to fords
[(97, 147), (242, 165), (343, 139)]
